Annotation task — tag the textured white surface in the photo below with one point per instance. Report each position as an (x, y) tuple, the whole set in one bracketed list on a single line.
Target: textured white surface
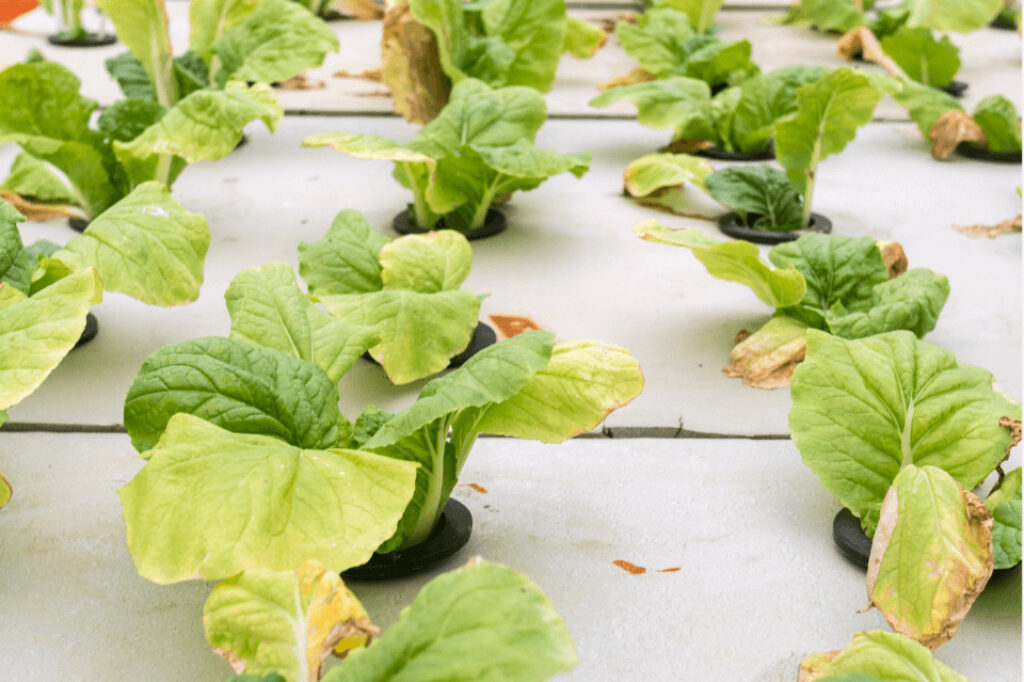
[(571, 262), (760, 584)]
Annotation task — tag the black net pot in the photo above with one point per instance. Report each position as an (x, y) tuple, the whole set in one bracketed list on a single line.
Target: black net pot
[(78, 224), (87, 40), (956, 88), (483, 336), (495, 223), (722, 155), (449, 536), (973, 150), (92, 328), (732, 224)]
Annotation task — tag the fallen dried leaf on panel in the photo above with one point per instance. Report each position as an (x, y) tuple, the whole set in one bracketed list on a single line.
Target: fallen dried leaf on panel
[(475, 486), (629, 567), (301, 82), (991, 231), (673, 569)]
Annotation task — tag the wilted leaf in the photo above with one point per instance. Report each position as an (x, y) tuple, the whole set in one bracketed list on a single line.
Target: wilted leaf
[(412, 67), (513, 325), (767, 358), (862, 41), (635, 75), (895, 258), (952, 128), (264, 621), (663, 181), (884, 655), (991, 231), (931, 556), (37, 210)]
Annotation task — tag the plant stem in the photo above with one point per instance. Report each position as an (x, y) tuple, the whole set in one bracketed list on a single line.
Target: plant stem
[(480, 215), (163, 169), (433, 505)]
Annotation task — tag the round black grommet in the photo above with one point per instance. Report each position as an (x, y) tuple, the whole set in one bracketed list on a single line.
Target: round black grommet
[(495, 223), (956, 88), (850, 538), (732, 224), (973, 150), (92, 328), (449, 536), (87, 40), (483, 336), (722, 155), (78, 224)]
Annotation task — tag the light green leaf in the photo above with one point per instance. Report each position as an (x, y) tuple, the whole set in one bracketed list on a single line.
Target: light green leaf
[(365, 147), (683, 104), (268, 309), (829, 112), (285, 622), (912, 301), (142, 26), (146, 246), (206, 125), (924, 104), (764, 99), (701, 12), (657, 39), (931, 556), (208, 19), (999, 119), (480, 622), (1005, 506), (828, 15), (535, 32), (864, 409), (210, 504), (419, 332), (344, 261), (582, 38), (36, 333), (734, 261), (244, 389), (428, 263), (760, 190), (886, 656), (50, 120), (32, 178), (279, 40), (584, 382), (926, 60), (962, 16)]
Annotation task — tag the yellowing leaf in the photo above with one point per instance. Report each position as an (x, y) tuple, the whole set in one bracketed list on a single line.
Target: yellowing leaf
[(882, 655), (412, 67), (767, 358), (5, 491), (286, 622), (931, 556)]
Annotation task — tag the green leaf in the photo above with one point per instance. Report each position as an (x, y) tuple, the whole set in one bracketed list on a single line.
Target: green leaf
[(142, 26), (10, 237), (131, 76), (126, 119), (1005, 506), (912, 301), (285, 622), (657, 39), (446, 19), (763, 100), (210, 504), (925, 59), (50, 120), (419, 332), (206, 125), (924, 104), (344, 261), (208, 19), (828, 15), (428, 263), (268, 309), (717, 62), (660, 180), (146, 246), (761, 190), (32, 178), (931, 556), (998, 118), (535, 31), (36, 333), (962, 16), (864, 409), (280, 39), (584, 382), (244, 389), (482, 621), (734, 261), (885, 656), (838, 270), (700, 12), (829, 112), (582, 38), (683, 104)]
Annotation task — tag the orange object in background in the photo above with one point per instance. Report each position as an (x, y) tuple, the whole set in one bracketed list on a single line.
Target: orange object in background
[(12, 9)]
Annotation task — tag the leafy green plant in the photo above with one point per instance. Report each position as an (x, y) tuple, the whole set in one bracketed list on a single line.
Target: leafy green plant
[(844, 285), (480, 621), (828, 15), (407, 291), (842, 16), (69, 12), (431, 45), (737, 119), (922, 57), (875, 656), (666, 44), (477, 150)]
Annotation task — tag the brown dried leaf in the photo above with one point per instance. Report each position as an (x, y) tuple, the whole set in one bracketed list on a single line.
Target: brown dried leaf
[(635, 75), (475, 486), (301, 82), (38, 211), (895, 258), (513, 325), (374, 93), (686, 146), (991, 231), (359, 9), (862, 41), (608, 23), (673, 569), (768, 358), (412, 67), (629, 568), (374, 75), (952, 128), (1014, 427)]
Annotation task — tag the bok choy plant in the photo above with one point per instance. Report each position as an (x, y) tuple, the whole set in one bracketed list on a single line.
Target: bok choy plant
[(477, 150), (481, 621), (842, 16), (852, 287), (877, 656)]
